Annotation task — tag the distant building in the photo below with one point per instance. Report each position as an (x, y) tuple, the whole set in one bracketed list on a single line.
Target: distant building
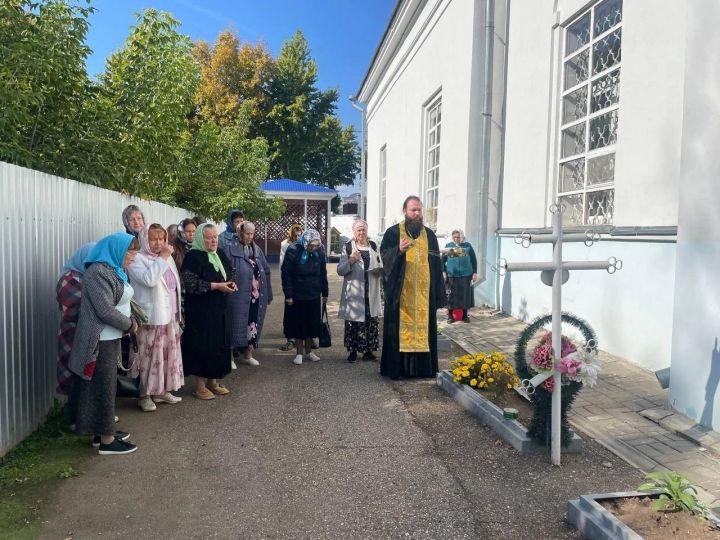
[(350, 205), (490, 110)]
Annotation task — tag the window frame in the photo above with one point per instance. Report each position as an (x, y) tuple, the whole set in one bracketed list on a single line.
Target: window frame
[(586, 120), (431, 152)]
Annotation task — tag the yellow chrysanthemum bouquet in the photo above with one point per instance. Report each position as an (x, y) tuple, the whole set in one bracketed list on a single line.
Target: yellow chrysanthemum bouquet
[(485, 371)]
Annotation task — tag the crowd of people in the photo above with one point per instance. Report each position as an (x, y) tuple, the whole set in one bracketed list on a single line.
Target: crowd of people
[(163, 303)]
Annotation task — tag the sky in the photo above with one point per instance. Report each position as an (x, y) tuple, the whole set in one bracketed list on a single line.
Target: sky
[(343, 34)]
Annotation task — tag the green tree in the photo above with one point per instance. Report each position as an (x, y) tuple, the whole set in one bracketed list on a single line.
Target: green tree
[(43, 83), (223, 169), (305, 137), (149, 87)]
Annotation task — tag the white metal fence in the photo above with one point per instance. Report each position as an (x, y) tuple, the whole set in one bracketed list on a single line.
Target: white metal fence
[(45, 218)]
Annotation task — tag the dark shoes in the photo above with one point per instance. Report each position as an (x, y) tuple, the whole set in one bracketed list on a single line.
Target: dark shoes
[(119, 435), (289, 346), (116, 447), (352, 357), (450, 320), (466, 319), (370, 356)]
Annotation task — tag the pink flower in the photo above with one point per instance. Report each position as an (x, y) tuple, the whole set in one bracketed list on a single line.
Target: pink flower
[(549, 384), (569, 366), (542, 356), (89, 369)]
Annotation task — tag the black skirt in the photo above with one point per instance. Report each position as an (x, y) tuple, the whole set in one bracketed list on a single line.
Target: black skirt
[(303, 319), (460, 295)]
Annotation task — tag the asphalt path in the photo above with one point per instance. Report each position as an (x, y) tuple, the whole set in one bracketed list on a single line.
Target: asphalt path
[(326, 450)]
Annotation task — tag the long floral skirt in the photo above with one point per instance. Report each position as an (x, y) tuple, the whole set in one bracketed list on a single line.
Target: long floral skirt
[(69, 293), (158, 361), (362, 336)]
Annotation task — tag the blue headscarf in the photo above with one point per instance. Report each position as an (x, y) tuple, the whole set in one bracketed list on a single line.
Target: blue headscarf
[(75, 262), (310, 236), (111, 250)]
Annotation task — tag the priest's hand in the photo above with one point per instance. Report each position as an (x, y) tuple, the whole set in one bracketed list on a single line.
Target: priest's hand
[(404, 245)]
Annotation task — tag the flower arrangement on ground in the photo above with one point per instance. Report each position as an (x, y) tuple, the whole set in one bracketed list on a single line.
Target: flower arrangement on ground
[(485, 371), (578, 365)]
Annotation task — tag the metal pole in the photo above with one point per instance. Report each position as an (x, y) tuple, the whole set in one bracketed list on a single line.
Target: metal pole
[(556, 334), (363, 164)]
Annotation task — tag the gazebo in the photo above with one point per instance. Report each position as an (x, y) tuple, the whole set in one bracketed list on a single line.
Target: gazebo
[(307, 204)]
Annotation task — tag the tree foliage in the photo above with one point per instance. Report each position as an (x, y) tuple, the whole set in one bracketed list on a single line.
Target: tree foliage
[(43, 83), (183, 123), (306, 139)]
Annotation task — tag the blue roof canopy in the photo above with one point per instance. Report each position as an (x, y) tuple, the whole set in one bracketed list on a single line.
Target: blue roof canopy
[(286, 186)]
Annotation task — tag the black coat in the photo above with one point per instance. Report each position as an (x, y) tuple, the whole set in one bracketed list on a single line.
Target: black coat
[(393, 362), (304, 281)]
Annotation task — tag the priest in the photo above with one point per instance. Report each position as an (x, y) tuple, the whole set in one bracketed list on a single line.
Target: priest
[(414, 291)]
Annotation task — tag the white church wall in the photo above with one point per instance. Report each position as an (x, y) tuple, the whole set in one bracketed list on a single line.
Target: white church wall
[(436, 57), (695, 370), (629, 310), (650, 121)]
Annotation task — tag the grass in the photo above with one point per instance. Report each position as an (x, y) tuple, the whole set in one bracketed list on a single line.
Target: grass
[(30, 473)]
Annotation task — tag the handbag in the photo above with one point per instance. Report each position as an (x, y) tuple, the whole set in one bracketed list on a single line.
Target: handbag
[(127, 387), (325, 336)]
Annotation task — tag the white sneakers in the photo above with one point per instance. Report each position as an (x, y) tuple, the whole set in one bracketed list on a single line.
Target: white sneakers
[(146, 404), (249, 361), (233, 365), (167, 397), (298, 360)]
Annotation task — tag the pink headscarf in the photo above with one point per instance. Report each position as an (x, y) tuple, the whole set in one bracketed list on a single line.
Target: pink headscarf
[(143, 236)]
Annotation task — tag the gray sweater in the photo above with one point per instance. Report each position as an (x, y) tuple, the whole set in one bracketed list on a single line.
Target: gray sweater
[(102, 289)]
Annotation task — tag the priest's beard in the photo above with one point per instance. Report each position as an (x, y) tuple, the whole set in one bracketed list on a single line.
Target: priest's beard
[(414, 226)]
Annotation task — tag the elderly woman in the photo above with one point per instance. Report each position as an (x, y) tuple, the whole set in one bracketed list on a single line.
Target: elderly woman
[(104, 318), (234, 218), (133, 220), (183, 240), (69, 294), (304, 283), (155, 279), (460, 272), (207, 279), (293, 234), (361, 267), (247, 308)]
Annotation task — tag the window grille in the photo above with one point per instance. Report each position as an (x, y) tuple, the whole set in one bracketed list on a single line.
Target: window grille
[(433, 121), (590, 105)]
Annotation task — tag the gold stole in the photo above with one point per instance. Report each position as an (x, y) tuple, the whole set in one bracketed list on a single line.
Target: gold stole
[(415, 295)]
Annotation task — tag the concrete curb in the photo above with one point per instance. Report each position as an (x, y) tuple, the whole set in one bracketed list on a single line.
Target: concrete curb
[(511, 431), (596, 523)]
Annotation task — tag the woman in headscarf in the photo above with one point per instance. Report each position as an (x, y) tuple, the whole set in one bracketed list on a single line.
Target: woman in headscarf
[(361, 267), (294, 233), (183, 240), (304, 283), (460, 272), (133, 220), (104, 318), (247, 308), (234, 218), (69, 293), (155, 279), (207, 277)]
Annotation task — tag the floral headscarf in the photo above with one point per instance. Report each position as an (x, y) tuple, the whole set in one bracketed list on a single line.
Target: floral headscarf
[(181, 233), (199, 245), (144, 237), (310, 236)]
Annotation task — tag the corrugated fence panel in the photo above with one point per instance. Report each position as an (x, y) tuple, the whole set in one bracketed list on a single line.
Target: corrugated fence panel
[(46, 218)]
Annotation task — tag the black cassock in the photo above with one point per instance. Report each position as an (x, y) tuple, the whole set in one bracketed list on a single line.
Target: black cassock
[(394, 363)]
